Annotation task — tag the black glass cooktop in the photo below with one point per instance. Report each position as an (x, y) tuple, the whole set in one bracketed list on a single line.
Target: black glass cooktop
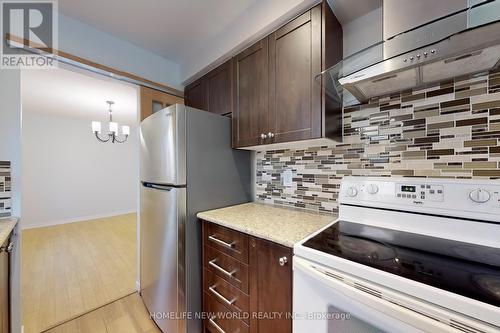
[(466, 269)]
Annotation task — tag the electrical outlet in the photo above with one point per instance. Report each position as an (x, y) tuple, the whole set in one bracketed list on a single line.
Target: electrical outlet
[(287, 177)]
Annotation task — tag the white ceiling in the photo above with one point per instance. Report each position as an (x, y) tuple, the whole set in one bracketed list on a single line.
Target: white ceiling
[(78, 94), (170, 28), (197, 33)]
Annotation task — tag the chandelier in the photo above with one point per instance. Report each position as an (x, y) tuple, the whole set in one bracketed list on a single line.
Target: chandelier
[(113, 128)]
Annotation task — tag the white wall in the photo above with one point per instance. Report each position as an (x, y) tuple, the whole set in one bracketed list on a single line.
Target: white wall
[(67, 174), (85, 41)]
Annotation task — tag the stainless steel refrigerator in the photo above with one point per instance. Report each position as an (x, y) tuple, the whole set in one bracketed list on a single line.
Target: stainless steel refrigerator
[(187, 166)]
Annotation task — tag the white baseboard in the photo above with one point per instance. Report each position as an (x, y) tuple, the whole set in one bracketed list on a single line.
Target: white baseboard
[(76, 219)]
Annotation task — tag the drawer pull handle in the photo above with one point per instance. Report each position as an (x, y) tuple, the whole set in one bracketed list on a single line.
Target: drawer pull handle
[(214, 324), (221, 242), (220, 296), (220, 269)]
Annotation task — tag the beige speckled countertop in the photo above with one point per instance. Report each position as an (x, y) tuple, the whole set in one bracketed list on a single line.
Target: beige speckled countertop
[(285, 226), (6, 226)]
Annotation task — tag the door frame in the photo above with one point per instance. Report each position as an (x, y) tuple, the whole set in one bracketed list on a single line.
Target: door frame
[(95, 67)]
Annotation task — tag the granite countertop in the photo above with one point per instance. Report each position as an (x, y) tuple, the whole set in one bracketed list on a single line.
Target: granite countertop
[(285, 226), (6, 226)]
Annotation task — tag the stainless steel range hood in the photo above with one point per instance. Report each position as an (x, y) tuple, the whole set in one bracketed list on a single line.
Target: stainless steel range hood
[(461, 43)]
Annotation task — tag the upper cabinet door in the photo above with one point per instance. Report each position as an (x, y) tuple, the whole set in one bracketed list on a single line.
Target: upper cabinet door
[(219, 89), (294, 97), (250, 109), (196, 94)]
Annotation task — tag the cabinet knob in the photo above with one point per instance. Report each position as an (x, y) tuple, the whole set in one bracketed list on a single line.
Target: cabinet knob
[(270, 135), (283, 261), (263, 136)]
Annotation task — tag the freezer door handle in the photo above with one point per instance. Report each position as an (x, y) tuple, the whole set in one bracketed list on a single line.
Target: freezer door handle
[(158, 186)]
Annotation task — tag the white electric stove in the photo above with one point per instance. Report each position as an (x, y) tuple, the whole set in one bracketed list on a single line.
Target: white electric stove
[(405, 255)]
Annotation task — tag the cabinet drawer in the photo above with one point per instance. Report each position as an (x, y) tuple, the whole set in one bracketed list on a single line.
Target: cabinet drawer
[(223, 320), (230, 296), (226, 267), (231, 242)]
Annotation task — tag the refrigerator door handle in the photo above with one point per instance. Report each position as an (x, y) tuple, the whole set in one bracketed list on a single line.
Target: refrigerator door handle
[(158, 187)]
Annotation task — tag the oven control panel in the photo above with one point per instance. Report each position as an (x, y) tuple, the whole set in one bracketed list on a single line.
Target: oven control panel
[(477, 199), (431, 192)]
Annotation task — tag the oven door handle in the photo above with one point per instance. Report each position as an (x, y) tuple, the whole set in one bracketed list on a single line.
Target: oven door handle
[(333, 281)]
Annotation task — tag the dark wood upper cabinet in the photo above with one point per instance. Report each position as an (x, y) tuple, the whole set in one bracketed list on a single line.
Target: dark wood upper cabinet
[(270, 286), (271, 89), (251, 94), (196, 94), (297, 106), (212, 92), (219, 89), (294, 96)]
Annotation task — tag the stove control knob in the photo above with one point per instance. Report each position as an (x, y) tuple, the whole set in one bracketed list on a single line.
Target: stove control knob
[(479, 195), (352, 192), (372, 188)]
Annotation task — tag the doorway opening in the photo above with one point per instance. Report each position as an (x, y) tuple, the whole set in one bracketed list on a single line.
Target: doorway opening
[(80, 195)]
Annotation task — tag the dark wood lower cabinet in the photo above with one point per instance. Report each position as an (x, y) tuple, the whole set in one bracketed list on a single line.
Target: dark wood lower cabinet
[(224, 320), (246, 293), (270, 286)]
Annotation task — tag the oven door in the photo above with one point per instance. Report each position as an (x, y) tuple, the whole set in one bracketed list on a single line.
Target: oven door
[(328, 301)]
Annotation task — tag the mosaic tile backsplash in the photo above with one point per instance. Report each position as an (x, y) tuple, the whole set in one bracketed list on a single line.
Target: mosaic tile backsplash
[(5, 196), (450, 130)]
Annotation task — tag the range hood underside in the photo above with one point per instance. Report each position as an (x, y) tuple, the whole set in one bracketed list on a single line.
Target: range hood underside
[(466, 53)]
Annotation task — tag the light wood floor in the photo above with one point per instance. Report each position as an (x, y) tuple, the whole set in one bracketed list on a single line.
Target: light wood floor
[(70, 269), (127, 315)]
